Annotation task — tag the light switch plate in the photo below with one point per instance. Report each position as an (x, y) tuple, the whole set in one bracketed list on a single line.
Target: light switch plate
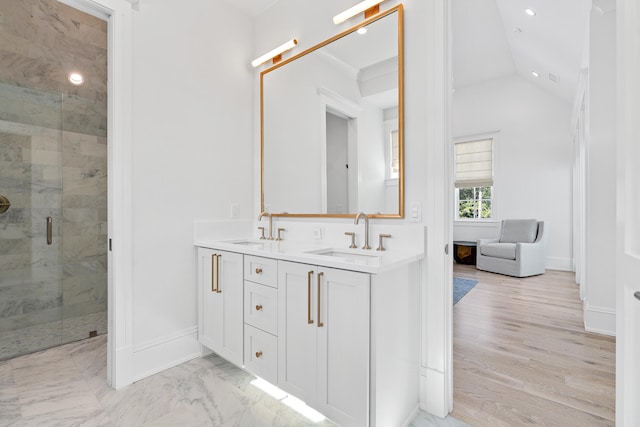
[(317, 233), (415, 212)]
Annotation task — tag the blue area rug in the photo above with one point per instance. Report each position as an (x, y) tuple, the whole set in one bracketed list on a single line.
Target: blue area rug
[(461, 287)]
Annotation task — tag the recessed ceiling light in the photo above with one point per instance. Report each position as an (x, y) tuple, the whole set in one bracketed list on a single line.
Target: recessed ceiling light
[(530, 12), (535, 74), (76, 78), (516, 29), (362, 30)]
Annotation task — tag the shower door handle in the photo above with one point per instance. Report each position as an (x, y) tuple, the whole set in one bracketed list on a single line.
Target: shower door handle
[(49, 230)]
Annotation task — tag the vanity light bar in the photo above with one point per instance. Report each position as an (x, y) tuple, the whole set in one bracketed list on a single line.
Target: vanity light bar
[(275, 53), (353, 11)]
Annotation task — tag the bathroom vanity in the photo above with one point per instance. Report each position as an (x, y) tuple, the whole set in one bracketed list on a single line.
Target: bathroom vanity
[(333, 326)]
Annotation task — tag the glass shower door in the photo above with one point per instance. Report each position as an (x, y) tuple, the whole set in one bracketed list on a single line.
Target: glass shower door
[(30, 227)]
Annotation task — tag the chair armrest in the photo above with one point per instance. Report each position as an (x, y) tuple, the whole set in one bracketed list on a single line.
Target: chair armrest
[(487, 241), (530, 249)]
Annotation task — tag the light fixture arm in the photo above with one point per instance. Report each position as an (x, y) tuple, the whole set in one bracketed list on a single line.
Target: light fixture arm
[(369, 7)]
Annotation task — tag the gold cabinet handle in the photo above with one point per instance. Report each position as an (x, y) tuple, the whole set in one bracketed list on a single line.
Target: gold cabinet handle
[(218, 290), (258, 270), (309, 320), (213, 272), (258, 354), (320, 324), (259, 307)]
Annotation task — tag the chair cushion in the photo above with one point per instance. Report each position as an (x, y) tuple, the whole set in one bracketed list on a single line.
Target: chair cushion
[(499, 250), (519, 231)]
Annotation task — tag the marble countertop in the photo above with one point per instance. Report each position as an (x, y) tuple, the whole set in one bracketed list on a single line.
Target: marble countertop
[(318, 253)]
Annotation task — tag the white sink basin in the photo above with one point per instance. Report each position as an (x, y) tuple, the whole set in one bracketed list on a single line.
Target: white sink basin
[(356, 256), (249, 243)]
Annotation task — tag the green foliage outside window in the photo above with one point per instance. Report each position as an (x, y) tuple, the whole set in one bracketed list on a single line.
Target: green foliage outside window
[(471, 198)]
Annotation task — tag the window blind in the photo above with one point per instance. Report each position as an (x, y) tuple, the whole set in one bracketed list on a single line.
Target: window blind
[(474, 163)]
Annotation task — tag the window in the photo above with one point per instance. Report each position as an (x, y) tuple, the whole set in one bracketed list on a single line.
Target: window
[(394, 166), (474, 202), (474, 179), (391, 147)]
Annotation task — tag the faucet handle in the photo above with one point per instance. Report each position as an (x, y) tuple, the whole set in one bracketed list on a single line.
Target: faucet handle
[(353, 238), (262, 236), (380, 237), (280, 230)]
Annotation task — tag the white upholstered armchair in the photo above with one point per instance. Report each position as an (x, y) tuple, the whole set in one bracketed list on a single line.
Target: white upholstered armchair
[(519, 252)]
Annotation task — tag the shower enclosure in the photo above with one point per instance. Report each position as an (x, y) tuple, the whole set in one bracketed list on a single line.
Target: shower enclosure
[(53, 236)]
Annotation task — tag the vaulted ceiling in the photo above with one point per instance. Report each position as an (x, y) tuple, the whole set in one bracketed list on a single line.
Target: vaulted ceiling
[(496, 38)]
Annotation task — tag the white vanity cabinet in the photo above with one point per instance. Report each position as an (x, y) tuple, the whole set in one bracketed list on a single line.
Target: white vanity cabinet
[(220, 302), (340, 333), (323, 340)]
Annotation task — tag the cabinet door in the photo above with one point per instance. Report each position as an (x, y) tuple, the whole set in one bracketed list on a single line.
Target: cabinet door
[(220, 305), (297, 363), (343, 346)]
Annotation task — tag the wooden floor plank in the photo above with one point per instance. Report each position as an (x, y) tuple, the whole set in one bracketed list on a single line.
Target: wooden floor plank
[(521, 355)]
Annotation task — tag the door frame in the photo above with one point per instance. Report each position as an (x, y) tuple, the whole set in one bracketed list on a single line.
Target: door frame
[(118, 14), (627, 256)]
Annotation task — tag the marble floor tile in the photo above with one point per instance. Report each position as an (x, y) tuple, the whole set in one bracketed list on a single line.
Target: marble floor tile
[(66, 386), (9, 405)]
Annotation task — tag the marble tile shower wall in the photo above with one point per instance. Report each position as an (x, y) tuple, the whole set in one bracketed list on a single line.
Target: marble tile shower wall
[(52, 296), (41, 42)]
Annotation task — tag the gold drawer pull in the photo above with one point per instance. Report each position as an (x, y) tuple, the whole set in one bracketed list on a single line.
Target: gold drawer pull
[(258, 270), (258, 354), (258, 307)]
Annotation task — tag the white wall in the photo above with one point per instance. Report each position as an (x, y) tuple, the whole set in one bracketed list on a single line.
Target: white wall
[(192, 158), (600, 239), (533, 158)]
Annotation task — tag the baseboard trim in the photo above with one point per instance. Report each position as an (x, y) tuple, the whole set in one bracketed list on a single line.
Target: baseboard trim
[(411, 416), (599, 320), (432, 392), (557, 263), (166, 352)]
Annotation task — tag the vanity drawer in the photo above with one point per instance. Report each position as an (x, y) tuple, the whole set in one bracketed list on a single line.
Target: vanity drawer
[(261, 270), (261, 307), (261, 353)]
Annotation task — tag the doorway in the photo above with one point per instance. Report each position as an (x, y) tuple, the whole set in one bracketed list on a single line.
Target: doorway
[(337, 163)]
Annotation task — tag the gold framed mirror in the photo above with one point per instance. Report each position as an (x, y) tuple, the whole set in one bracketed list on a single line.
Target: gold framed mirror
[(332, 125)]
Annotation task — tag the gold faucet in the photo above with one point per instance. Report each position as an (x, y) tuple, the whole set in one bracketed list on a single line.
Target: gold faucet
[(270, 223), (366, 228)]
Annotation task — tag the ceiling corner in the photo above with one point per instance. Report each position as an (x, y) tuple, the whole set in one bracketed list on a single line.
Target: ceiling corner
[(135, 4)]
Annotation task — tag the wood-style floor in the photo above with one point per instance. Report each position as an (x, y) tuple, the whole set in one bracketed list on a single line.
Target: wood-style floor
[(521, 355)]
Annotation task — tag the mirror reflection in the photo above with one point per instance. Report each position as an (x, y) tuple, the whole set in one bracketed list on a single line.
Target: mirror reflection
[(331, 125)]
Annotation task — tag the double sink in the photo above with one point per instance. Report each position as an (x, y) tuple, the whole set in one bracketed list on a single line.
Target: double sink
[(357, 256)]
